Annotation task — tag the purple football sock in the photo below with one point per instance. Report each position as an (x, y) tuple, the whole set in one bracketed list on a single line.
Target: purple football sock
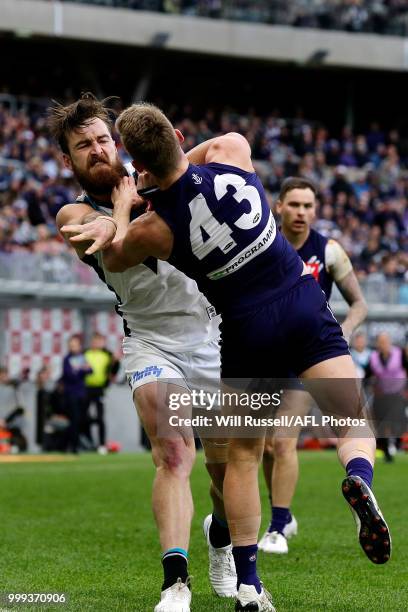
[(280, 518), (361, 467), (245, 563)]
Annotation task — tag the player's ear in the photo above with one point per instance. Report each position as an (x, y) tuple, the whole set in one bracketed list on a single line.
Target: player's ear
[(67, 161), (278, 206), (180, 136)]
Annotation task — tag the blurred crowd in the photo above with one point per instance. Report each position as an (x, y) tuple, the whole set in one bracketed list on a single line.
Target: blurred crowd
[(362, 179), (67, 411), (380, 16), (70, 413)]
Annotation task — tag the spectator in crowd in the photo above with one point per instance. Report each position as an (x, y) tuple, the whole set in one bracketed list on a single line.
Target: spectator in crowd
[(360, 353), (380, 16), (104, 366), (12, 418), (362, 179), (389, 366), (75, 369), (52, 422), (44, 390)]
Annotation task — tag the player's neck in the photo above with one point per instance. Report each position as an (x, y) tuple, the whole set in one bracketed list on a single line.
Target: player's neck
[(100, 197), (296, 240), (164, 184)]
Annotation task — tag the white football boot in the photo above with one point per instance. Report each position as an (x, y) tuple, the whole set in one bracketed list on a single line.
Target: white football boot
[(290, 528), (248, 598), (176, 598), (276, 542), (223, 576)]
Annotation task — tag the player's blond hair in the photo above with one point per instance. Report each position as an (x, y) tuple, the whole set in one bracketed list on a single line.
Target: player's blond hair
[(149, 138)]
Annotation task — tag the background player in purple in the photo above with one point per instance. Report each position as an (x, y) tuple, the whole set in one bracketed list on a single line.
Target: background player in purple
[(328, 263), (214, 223)]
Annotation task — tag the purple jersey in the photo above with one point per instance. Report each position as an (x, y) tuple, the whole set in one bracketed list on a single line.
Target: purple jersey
[(225, 237), (313, 253)]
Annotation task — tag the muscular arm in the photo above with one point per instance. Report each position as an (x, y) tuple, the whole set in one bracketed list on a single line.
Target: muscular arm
[(147, 236), (341, 270), (76, 214), (351, 291), (232, 149)]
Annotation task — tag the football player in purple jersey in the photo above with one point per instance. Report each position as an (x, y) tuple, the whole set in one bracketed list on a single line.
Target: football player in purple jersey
[(329, 264), (211, 219)]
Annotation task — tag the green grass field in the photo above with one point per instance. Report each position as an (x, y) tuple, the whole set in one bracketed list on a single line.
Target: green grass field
[(85, 528)]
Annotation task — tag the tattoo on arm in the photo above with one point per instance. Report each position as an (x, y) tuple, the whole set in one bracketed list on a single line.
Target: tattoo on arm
[(351, 291)]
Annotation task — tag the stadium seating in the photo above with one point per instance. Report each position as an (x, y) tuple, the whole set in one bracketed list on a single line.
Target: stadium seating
[(379, 16), (362, 178)]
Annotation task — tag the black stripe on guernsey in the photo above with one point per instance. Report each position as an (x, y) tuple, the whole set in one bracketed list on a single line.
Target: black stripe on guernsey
[(151, 263), (92, 262)]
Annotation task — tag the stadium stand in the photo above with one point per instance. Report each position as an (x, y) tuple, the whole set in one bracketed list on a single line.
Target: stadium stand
[(378, 16), (363, 182)]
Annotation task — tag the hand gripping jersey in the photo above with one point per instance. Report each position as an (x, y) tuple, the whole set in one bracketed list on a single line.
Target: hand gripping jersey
[(225, 237), (159, 305), (325, 259)]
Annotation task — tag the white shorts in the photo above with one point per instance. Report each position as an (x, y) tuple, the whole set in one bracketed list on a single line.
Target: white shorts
[(145, 363)]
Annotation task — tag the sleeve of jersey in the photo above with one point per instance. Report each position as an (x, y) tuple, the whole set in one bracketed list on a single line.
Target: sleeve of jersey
[(337, 261), (166, 213)]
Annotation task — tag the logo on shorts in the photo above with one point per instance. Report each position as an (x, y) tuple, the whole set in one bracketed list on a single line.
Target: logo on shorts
[(149, 371), (197, 179)]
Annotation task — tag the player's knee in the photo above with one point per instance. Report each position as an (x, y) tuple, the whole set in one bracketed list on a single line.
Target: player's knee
[(284, 448), (269, 448), (175, 455), (246, 450)]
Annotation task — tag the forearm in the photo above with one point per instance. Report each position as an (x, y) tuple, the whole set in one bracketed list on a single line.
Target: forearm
[(351, 291), (121, 215), (114, 257), (355, 316), (121, 255), (123, 252)]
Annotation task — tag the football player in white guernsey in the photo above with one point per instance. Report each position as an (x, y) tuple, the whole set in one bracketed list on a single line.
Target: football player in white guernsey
[(171, 332), (329, 264)]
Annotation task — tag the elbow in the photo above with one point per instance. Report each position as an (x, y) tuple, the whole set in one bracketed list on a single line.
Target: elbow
[(114, 258), (361, 309), (114, 266), (113, 263)]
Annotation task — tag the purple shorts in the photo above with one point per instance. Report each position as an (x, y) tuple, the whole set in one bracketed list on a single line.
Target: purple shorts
[(283, 337)]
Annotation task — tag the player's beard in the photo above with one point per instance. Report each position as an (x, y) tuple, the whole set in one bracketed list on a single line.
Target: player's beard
[(100, 178)]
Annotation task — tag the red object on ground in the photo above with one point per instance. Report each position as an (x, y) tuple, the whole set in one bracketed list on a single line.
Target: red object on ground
[(113, 447), (404, 442), (5, 446), (312, 444)]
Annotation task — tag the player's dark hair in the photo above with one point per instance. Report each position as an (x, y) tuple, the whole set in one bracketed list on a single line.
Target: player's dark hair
[(296, 182), (61, 120)]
